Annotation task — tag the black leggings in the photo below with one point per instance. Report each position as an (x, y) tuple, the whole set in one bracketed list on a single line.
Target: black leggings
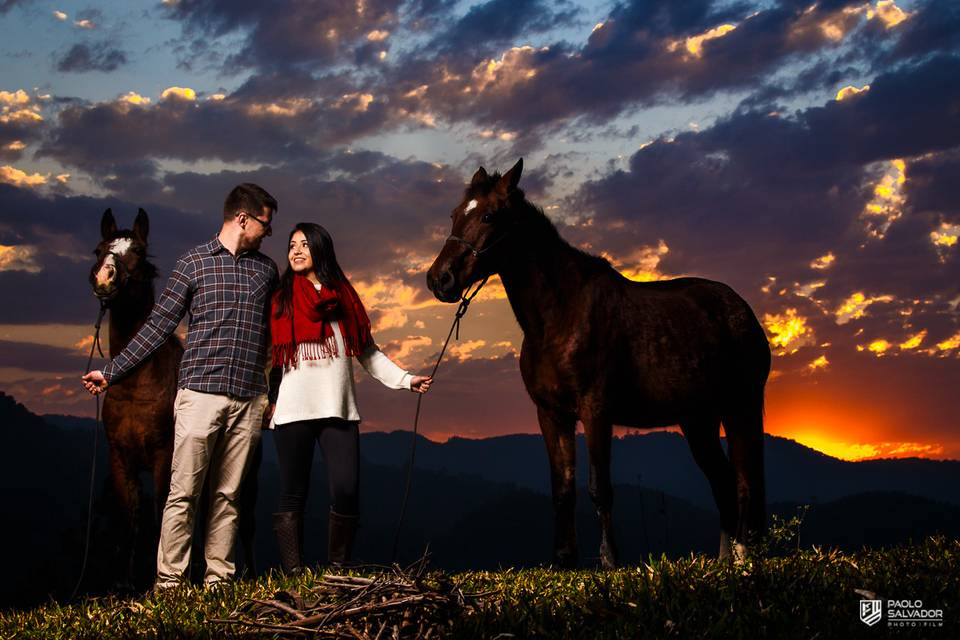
[(340, 442)]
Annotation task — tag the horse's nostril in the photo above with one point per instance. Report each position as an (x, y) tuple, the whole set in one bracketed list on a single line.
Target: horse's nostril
[(446, 280)]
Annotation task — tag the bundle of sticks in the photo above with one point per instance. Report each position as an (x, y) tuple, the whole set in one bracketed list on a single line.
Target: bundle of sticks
[(385, 603)]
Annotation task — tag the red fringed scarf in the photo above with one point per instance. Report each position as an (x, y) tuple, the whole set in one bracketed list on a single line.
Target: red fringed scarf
[(310, 322)]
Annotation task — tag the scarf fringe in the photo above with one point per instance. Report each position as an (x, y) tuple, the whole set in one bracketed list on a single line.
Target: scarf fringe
[(288, 354)]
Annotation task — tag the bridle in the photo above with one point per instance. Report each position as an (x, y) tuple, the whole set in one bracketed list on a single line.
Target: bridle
[(473, 250), (122, 274)]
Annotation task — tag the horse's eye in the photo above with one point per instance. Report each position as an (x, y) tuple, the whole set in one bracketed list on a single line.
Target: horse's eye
[(486, 218)]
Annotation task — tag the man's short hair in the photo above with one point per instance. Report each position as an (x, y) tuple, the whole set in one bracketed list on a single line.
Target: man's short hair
[(248, 197)]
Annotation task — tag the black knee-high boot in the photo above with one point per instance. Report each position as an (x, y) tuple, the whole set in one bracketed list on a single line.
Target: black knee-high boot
[(288, 525), (342, 530)]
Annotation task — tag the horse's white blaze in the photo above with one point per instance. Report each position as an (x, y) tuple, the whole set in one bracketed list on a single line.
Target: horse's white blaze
[(120, 246), (470, 206)]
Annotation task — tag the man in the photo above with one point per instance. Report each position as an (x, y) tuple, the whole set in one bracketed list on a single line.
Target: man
[(225, 284)]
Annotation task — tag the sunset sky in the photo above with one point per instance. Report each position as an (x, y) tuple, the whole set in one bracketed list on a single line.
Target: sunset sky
[(808, 154)]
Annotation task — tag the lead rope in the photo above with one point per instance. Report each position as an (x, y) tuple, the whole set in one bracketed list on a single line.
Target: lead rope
[(93, 467), (461, 311)]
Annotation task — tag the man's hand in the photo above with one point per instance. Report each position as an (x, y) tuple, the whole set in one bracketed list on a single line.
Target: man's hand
[(420, 384), (94, 382), (268, 415)]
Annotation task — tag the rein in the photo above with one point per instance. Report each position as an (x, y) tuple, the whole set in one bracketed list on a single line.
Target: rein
[(461, 311), (96, 432)]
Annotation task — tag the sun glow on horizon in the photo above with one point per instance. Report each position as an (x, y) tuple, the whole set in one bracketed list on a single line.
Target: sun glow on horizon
[(857, 451)]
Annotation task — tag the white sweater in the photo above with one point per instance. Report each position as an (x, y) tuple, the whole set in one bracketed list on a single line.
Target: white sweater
[(323, 388)]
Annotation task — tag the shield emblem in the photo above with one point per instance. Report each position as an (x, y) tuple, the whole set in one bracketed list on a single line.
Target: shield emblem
[(870, 612)]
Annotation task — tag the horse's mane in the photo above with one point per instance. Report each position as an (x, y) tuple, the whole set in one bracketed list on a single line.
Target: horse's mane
[(545, 232)]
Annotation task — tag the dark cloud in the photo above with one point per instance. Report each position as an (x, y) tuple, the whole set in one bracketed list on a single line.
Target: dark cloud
[(933, 186), (7, 5), (40, 357), (760, 195), (383, 213), (286, 34), (62, 232), (933, 27), (98, 137), (652, 53), (424, 15), (493, 24), (82, 57)]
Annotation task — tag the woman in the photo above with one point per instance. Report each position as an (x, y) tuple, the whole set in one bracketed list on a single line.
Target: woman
[(318, 325)]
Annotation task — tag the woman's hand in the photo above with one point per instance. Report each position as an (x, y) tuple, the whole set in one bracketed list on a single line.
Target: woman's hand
[(268, 415), (420, 384)]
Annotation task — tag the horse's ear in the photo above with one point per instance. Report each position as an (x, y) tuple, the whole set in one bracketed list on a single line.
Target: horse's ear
[(509, 180), (479, 177), (141, 226), (108, 226)]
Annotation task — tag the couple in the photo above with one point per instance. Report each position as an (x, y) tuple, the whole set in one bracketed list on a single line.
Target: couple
[(236, 303)]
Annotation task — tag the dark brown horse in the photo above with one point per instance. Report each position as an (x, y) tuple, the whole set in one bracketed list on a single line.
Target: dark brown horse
[(138, 408), (605, 350)]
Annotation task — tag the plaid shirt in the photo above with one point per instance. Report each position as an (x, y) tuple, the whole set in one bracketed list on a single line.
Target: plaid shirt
[(228, 337)]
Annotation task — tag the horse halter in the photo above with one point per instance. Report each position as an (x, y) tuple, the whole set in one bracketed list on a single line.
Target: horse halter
[(476, 252), (121, 268)]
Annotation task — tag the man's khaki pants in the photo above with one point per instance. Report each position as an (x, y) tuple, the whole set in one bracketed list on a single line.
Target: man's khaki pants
[(215, 436)]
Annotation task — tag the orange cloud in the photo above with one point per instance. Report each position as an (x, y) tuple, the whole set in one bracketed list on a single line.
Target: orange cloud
[(464, 350), (888, 13), (823, 262), (850, 91), (640, 265), (18, 178), (819, 363), (856, 305), (400, 350), (693, 46), (19, 258), (888, 200), (913, 341), (789, 331)]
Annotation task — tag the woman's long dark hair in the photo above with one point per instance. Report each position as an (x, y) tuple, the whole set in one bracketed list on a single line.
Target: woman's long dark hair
[(325, 264)]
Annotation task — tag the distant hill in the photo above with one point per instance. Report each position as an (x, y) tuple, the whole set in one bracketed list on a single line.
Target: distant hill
[(659, 461), (662, 461), (476, 503)]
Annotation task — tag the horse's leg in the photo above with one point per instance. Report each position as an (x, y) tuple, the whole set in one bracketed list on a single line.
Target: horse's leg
[(599, 433), (247, 511), (703, 438), (559, 432), (161, 481), (128, 493), (744, 429)]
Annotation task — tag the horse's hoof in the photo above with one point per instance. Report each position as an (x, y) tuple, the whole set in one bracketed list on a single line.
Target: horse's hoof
[(608, 559), (724, 546), (565, 560)]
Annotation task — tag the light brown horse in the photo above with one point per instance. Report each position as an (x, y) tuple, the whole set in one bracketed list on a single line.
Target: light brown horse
[(138, 408), (605, 350)]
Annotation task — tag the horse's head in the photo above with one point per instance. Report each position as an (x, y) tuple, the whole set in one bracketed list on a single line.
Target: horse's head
[(481, 222), (121, 256)]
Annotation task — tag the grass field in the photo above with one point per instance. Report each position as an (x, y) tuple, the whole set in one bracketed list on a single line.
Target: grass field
[(806, 593)]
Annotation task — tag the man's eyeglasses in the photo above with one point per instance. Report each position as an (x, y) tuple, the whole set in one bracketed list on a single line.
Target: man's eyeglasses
[(265, 225)]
